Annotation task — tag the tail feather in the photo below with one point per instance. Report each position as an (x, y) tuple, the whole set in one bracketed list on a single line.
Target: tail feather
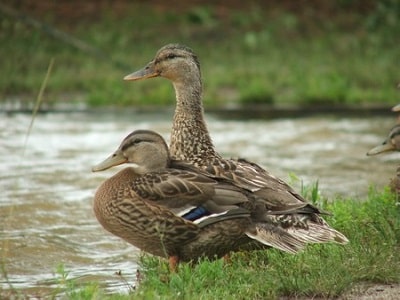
[(271, 235), (295, 237), (308, 228), (318, 233)]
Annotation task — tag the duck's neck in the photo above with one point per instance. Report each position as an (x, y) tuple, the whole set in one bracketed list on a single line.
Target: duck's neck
[(190, 139)]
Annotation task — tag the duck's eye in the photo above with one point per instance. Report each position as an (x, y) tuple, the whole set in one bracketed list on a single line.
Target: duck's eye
[(171, 56)]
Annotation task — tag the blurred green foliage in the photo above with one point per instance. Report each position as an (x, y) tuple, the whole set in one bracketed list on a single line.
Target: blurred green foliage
[(343, 52)]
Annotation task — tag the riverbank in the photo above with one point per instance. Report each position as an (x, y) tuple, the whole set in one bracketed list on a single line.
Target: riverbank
[(233, 112)]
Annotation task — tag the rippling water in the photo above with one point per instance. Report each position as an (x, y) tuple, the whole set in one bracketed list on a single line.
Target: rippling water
[(47, 187)]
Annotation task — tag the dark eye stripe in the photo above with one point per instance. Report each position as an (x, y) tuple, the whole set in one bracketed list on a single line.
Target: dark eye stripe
[(130, 144), (135, 142)]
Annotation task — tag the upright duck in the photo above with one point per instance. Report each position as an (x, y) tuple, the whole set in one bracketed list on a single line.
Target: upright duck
[(191, 142)]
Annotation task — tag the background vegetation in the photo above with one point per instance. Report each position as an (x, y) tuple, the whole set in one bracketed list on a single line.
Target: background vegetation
[(275, 52)]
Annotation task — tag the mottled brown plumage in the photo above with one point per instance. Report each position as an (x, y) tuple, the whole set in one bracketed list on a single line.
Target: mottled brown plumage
[(190, 141), (390, 144), (152, 203)]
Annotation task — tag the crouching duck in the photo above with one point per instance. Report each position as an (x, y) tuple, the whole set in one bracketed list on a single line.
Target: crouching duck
[(172, 209)]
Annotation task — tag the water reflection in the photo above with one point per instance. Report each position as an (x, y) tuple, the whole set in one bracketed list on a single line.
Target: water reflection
[(47, 188)]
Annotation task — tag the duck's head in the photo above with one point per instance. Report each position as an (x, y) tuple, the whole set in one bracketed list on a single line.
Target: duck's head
[(145, 150), (392, 142), (173, 61)]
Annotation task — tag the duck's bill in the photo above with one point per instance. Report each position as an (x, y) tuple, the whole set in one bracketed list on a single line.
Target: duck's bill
[(396, 108), (114, 160), (381, 148), (147, 72)]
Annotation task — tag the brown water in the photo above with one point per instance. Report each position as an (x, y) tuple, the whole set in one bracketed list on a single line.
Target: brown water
[(47, 187)]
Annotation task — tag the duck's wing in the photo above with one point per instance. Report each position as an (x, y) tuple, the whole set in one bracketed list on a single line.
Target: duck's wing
[(188, 194), (277, 195), (282, 218)]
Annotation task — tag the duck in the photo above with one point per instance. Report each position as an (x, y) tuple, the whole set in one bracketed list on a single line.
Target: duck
[(190, 141), (172, 209), (390, 144)]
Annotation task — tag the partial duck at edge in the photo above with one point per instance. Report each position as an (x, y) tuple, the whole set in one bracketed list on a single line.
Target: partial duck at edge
[(390, 144)]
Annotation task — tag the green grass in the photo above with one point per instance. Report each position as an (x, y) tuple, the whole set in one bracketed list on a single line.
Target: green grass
[(250, 55), (372, 226)]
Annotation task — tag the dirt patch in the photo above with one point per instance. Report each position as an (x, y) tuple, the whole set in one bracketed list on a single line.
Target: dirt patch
[(362, 291), (368, 291)]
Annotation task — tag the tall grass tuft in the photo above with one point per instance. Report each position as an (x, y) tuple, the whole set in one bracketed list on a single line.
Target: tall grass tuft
[(5, 242)]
